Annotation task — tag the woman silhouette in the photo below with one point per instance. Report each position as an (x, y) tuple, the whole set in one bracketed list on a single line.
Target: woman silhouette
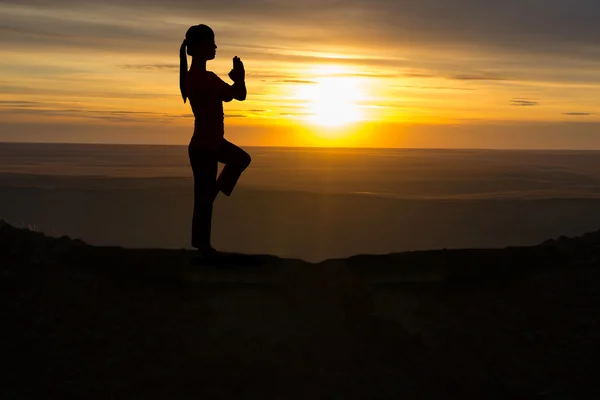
[(208, 147)]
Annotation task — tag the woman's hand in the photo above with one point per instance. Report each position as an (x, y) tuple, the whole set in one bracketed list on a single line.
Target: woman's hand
[(237, 74)]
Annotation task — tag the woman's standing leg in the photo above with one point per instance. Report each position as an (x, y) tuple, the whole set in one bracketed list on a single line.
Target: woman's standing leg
[(205, 167), (236, 161)]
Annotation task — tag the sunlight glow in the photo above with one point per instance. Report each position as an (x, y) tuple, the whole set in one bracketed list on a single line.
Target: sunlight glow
[(332, 101)]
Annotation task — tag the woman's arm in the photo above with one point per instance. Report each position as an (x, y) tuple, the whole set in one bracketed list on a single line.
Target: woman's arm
[(236, 91), (239, 90), (227, 92)]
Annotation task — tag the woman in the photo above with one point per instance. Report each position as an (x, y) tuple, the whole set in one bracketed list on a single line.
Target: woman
[(208, 147)]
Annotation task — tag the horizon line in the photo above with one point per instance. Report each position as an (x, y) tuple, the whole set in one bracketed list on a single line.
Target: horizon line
[(312, 147)]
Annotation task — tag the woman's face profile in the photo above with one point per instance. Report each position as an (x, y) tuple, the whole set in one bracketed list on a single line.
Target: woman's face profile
[(206, 49)]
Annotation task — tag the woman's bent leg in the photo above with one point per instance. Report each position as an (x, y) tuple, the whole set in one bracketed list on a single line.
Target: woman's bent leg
[(204, 166), (236, 161)]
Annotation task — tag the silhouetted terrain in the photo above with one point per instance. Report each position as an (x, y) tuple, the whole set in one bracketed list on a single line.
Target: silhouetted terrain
[(106, 322)]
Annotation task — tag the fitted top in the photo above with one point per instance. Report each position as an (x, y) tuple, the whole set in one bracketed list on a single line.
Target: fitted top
[(206, 92)]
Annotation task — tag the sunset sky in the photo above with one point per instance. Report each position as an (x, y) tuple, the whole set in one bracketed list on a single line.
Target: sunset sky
[(375, 73)]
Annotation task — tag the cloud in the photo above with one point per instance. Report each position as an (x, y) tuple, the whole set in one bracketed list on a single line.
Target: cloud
[(578, 113), (524, 103), (478, 77), (417, 75), (294, 78), (72, 90), (150, 67), (304, 81), (293, 114), (18, 103), (371, 75), (566, 27), (437, 88), (40, 109)]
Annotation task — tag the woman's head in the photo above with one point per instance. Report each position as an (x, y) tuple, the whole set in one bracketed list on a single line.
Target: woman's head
[(200, 43)]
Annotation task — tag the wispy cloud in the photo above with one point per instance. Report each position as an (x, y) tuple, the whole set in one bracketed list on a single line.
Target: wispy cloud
[(417, 75), (293, 113), (43, 109), (18, 103), (302, 81), (578, 113), (150, 67), (438, 88), (524, 102), (478, 77), (555, 27)]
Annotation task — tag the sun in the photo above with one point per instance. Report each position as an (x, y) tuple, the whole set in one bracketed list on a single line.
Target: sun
[(333, 101)]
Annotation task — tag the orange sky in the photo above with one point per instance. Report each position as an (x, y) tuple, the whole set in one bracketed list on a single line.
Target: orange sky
[(371, 73)]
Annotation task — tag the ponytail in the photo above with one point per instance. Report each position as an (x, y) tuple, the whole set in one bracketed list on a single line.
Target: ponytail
[(183, 69), (195, 34)]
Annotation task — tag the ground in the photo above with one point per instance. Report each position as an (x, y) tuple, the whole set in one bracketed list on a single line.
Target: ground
[(96, 322)]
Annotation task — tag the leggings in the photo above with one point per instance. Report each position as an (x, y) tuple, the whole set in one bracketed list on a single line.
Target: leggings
[(206, 184)]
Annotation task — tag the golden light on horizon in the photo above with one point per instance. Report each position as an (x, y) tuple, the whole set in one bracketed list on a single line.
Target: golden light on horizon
[(332, 101)]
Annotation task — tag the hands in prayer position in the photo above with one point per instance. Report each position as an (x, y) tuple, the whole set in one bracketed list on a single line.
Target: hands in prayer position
[(237, 74)]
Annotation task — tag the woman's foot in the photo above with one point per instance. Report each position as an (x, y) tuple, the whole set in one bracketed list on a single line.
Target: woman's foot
[(206, 254)]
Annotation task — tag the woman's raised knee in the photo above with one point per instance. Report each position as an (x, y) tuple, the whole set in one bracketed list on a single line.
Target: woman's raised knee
[(246, 160)]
